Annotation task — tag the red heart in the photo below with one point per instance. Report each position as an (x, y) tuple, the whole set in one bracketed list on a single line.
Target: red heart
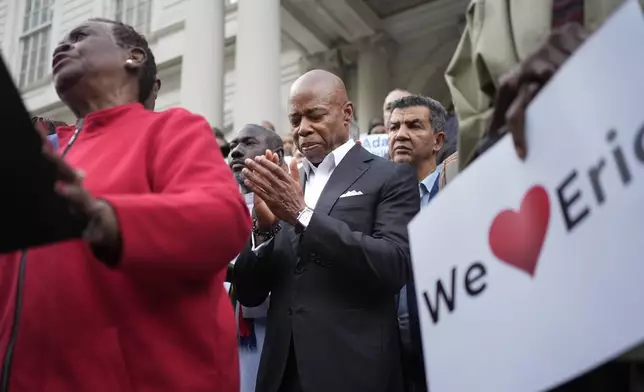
[(516, 238)]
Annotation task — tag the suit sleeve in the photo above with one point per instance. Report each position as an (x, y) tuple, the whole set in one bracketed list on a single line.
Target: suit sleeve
[(381, 259), (486, 51), (194, 221), (253, 274), (471, 89)]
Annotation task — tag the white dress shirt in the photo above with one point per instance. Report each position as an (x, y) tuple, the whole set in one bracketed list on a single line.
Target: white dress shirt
[(316, 178)]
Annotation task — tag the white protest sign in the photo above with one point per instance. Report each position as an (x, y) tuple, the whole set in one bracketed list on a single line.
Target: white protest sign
[(530, 273), (376, 144)]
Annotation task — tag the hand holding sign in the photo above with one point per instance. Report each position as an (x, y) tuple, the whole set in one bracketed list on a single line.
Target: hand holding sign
[(102, 232), (519, 87), (549, 284)]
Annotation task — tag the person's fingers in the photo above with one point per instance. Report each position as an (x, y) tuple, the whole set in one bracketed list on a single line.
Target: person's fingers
[(64, 172), (259, 193), (80, 176), (260, 206), (268, 154), (270, 169), (583, 33), (294, 171), (516, 122), (516, 116), (42, 130), (561, 44), (569, 37), (545, 62), (257, 200), (541, 66), (256, 178), (506, 94), (518, 87), (77, 196)]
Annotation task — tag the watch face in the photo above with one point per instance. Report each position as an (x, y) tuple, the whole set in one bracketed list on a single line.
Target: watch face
[(305, 218)]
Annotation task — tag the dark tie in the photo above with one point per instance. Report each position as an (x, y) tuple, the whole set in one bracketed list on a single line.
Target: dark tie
[(567, 11)]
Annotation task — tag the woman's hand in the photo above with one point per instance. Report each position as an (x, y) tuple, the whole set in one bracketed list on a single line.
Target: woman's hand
[(102, 232)]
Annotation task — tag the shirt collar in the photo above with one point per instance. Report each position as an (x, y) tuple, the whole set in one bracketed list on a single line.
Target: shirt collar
[(428, 182), (332, 160)]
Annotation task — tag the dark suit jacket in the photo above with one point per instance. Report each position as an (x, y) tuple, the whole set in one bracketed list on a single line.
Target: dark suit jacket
[(333, 288), (411, 343), (451, 139)]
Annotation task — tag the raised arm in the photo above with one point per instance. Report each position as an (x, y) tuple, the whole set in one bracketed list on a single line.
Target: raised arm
[(472, 90), (194, 221)]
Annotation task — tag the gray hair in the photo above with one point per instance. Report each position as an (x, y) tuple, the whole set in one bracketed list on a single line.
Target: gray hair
[(437, 113)]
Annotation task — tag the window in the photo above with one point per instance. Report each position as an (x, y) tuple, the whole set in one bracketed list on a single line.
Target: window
[(34, 41), (135, 13)]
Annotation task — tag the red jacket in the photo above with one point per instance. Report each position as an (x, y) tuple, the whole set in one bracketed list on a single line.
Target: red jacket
[(161, 320)]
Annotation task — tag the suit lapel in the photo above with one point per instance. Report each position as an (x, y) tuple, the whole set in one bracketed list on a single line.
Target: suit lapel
[(352, 166)]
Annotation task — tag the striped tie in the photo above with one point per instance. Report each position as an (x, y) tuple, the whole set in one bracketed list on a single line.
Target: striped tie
[(567, 11)]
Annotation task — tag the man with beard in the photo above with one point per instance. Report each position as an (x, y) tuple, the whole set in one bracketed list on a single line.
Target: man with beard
[(251, 141)]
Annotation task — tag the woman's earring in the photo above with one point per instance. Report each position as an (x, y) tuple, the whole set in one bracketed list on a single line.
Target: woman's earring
[(130, 61)]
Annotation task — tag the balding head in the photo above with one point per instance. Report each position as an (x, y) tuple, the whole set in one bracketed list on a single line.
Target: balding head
[(323, 83), (268, 125), (393, 95), (319, 113)]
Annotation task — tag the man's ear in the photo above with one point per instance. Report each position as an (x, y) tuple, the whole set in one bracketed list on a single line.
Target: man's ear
[(439, 138), (136, 59), (347, 112), (280, 153)]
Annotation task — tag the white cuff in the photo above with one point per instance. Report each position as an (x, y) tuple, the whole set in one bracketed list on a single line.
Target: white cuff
[(256, 249)]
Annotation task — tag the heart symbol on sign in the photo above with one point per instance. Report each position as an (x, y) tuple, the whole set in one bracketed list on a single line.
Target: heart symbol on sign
[(516, 237)]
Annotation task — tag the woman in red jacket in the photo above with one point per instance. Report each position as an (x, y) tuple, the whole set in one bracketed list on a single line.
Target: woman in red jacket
[(138, 304)]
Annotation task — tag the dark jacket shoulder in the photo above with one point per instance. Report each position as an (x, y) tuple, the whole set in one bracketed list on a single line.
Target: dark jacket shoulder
[(387, 168)]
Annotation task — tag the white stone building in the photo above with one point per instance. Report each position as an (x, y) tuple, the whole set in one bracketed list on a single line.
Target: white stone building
[(233, 61)]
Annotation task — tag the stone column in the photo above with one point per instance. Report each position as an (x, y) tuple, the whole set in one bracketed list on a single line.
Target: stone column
[(331, 60), (373, 79), (202, 65), (257, 63)]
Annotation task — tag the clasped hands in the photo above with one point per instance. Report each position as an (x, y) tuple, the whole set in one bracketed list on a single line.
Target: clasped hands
[(278, 193)]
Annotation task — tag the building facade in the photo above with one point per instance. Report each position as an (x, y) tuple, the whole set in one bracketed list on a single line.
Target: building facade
[(233, 61)]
